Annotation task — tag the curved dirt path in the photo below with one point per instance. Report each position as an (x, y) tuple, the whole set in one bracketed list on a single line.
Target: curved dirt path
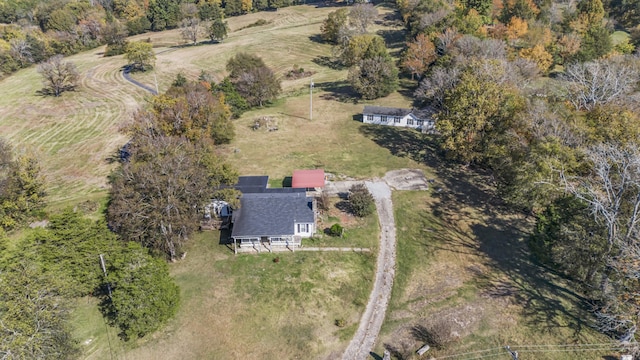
[(373, 316), (126, 73)]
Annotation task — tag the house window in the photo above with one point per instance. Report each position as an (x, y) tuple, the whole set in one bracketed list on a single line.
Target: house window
[(396, 119), (419, 122), (383, 118), (409, 121), (369, 117), (303, 228)]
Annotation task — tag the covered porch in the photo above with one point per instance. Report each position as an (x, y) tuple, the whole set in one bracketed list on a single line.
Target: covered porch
[(266, 243)]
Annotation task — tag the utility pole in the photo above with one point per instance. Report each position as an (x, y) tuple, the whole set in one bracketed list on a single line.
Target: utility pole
[(104, 271), (311, 100), (514, 354)]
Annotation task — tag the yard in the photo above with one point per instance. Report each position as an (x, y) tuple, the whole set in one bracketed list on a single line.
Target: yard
[(248, 306)]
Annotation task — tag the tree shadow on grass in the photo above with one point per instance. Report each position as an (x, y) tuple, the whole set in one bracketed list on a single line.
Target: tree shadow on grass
[(400, 142), (344, 206), (338, 91), (547, 301), (316, 38), (394, 39), (464, 194), (329, 62)]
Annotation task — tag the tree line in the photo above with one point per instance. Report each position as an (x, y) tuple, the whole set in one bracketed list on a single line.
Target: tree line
[(32, 31), (539, 96), (372, 71)]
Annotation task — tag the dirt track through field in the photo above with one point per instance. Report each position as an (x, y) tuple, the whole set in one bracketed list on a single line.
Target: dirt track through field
[(373, 316)]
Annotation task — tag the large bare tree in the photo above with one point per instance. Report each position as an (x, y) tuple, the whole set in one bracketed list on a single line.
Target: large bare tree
[(612, 193), (190, 29), (361, 16), (58, 75), (600, 82)]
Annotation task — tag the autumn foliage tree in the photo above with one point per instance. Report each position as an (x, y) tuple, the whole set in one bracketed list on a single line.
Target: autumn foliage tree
[(190, 111), (253, 79), (476, 115), (172, 169), (419, 55), (140, 55), (539, 55), (359, 47)]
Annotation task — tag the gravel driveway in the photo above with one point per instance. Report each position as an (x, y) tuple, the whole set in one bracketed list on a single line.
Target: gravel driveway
[(404, 179), (371, 321)]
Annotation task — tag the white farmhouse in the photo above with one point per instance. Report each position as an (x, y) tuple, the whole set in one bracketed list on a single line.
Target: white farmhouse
[(412, 118)]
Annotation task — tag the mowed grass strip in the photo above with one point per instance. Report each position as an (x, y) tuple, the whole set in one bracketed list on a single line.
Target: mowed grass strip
[(248, 307), (470, 270), (74, 135)]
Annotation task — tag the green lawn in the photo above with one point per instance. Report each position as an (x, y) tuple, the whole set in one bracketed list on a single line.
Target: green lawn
[(247, 306)]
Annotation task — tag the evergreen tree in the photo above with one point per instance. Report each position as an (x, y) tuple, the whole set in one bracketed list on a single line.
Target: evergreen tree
[(143, 295), (218, 30), (233, 7)]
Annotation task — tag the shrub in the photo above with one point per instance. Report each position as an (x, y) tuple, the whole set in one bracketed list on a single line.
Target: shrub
[(361, 200), (323, 201), (340, 323), (439, 334), (115, 49), (336, 230), (179, 81)]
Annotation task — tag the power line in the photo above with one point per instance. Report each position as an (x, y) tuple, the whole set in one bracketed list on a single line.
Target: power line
[(565, 345), (535, 348)]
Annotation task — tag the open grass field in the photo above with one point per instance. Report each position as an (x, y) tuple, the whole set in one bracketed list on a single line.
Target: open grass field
[(75, 136), (247, 307)]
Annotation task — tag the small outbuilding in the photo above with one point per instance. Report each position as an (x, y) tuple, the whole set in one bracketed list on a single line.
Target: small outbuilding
[(308, 179)]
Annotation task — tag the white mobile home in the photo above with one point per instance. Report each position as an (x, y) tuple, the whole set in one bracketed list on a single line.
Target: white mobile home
[(411, 118)]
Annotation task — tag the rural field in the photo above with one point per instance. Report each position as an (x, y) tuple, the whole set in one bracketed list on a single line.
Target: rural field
[(463, 266)]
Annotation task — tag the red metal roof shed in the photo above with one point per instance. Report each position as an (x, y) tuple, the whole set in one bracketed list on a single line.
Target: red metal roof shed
[(308, 178)]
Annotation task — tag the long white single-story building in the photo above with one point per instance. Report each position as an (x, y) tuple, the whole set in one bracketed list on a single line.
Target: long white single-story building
[(412, 118)]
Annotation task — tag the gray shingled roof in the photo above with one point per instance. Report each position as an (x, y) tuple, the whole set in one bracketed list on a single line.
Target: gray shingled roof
[(379, 110), (424, 113), (251, 184), (258, 184), (271, 214)]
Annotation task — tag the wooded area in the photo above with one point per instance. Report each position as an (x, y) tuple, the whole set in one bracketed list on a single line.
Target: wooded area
[(539, 95)]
